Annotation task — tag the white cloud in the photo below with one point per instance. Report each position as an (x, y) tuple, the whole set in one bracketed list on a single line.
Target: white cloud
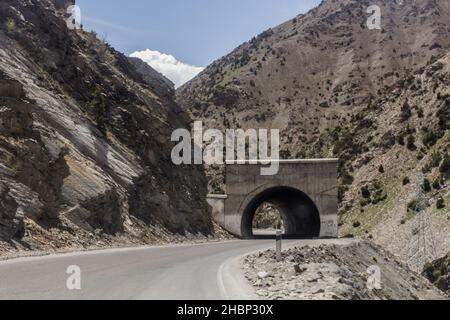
[(176, 71)]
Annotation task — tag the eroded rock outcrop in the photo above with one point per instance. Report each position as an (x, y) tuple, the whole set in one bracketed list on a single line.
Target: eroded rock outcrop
[(85, 140)]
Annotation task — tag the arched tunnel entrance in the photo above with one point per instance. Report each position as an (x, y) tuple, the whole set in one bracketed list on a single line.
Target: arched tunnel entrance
[(300, 215), (267, 220)]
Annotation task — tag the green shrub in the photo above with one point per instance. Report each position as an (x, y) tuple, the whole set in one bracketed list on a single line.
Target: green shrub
[(430, 137), (401, 139), (217, 186), (98, 109), (365, 202), (405, 111), (435, 159), (381, 169), (411, 143), (10, 25), (420, 113), (443, 114), (436, 184)]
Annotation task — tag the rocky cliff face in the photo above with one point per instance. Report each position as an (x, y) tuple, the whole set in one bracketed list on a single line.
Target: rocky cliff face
[(336, 272), (438, 272), (377, 99), (156, 80), (85, 140)]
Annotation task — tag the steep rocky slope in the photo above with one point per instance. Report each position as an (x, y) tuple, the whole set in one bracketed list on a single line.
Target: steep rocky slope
[(377, 99), (158, 82), (85, 141)]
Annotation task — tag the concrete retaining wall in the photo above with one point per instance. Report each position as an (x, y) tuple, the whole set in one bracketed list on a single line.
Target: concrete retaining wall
[(217, 203)]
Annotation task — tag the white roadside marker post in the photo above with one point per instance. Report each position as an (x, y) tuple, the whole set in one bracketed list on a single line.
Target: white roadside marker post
[(278, 246)]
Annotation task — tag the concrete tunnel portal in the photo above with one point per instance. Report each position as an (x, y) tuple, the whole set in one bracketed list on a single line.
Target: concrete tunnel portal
[(304, 192)]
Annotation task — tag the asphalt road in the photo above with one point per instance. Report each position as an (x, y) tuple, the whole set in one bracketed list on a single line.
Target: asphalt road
[(171, 272)]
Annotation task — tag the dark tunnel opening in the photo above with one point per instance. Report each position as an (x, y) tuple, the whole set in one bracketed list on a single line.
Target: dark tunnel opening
[(301, 219)]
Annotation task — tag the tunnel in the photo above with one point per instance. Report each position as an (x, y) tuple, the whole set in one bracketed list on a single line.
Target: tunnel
[(300, 215)]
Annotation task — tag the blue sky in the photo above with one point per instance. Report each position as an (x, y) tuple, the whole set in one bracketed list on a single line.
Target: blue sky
[(195, 32)]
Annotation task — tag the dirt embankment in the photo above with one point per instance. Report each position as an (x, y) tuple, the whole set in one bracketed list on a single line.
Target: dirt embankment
[(360, 271)]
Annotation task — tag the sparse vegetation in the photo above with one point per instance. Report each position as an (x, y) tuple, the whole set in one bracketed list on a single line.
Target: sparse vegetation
[(217, 186), (406, 112), (436, 184), (434, 161), (365, 202), (412, 206), (430, 137), (379, 196), (443, 115), (411, 143)]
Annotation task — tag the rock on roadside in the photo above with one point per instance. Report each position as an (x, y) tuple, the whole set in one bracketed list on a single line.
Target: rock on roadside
[(335, 272)]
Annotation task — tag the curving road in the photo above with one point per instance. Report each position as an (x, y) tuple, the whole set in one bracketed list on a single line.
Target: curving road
[(188, 272)]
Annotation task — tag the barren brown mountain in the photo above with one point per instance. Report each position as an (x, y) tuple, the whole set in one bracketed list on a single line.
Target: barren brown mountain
[(377, 99)]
